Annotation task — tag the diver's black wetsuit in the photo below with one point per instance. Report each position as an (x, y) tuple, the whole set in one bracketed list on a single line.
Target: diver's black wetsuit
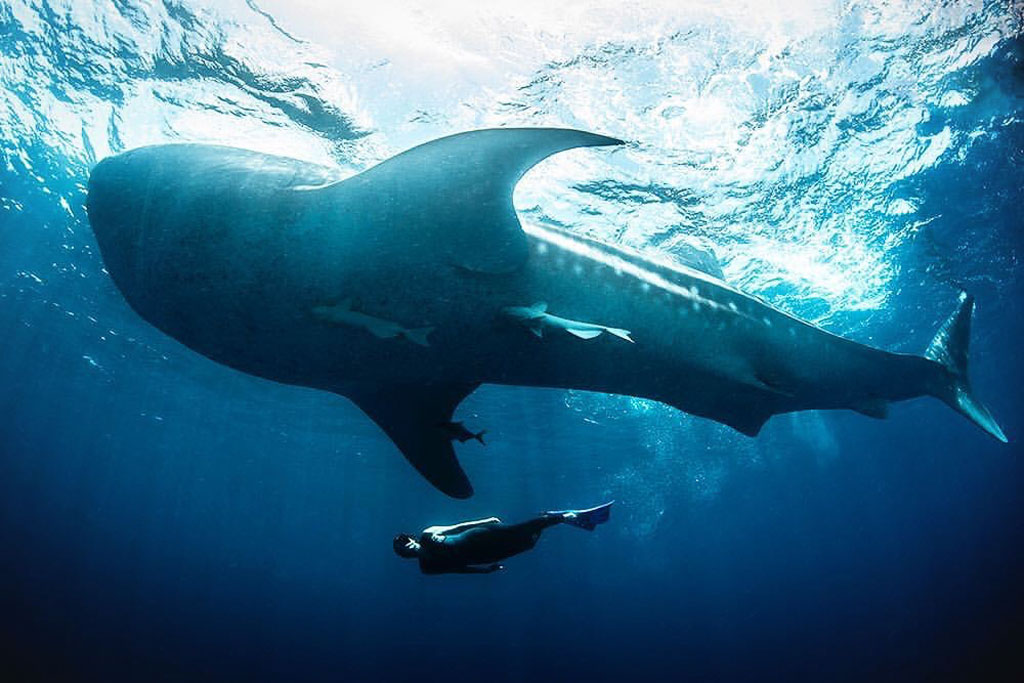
[(466, 551)]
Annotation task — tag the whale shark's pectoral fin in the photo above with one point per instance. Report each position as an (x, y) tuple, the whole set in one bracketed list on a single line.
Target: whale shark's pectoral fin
[(457, 191), (410, 414)]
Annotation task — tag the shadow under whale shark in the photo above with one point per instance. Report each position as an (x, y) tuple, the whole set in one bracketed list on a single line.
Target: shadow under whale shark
[(407, 286)]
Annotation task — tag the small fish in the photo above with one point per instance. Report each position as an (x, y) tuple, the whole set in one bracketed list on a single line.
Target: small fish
[(457, 431), (536, 319), (344, 314)]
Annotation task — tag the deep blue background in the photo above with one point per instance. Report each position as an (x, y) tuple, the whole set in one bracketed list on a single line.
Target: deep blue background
[(231, 551), (164, 518)]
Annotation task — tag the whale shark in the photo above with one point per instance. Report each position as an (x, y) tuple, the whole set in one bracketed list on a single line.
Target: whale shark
[(243, 256)]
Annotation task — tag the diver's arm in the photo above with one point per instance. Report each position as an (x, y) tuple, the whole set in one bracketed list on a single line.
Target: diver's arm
[(460, 527)]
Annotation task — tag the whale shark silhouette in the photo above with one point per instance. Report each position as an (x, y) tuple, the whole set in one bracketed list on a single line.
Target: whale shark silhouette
[(238, 255)]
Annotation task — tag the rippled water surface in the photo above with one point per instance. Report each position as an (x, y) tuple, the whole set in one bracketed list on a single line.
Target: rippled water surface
[(855, 163)]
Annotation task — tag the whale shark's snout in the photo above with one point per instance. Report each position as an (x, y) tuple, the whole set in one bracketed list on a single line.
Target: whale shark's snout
[(114, 214), (144, 225)]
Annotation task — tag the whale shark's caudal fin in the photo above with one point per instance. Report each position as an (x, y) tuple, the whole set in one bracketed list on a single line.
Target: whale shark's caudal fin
[(410, 414), (456, 193), (949, 348)]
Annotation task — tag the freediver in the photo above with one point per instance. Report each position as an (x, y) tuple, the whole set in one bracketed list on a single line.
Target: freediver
[(478, 547)]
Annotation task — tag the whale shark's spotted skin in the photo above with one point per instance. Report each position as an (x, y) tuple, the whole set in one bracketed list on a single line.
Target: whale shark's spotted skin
[(233, 253)]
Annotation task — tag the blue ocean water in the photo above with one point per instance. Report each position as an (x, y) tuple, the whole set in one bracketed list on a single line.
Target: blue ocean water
[(856, 163)]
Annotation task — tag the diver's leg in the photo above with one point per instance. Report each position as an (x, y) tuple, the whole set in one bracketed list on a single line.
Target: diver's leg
[(505, 540), (525, 534), (541, 522), (584, 519)]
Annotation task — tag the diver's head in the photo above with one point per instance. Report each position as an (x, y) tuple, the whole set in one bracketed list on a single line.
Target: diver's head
[(406, 546)]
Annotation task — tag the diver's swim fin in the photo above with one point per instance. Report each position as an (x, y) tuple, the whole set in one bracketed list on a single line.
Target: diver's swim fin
[(585, 519)]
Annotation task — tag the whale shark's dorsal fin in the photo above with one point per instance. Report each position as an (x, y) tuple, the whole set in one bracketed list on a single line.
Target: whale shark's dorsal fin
[(458, 190), (410, 414)]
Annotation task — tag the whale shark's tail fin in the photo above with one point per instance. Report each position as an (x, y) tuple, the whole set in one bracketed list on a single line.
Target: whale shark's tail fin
[(949, 349)]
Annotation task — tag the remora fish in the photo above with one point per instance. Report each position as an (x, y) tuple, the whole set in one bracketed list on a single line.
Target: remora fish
[(458, 432), (229, 251), (382, 329), (536, 319)]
